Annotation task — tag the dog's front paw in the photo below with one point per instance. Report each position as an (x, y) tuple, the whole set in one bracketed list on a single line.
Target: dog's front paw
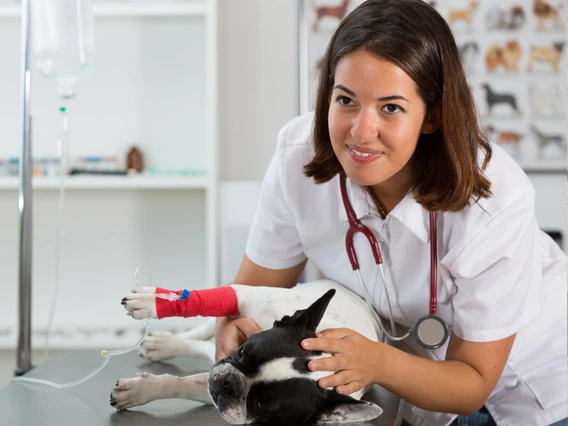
[(136, 391), (141, 304)]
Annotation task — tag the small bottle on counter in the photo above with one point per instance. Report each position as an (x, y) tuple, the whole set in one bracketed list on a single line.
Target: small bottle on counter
[(134, 161)]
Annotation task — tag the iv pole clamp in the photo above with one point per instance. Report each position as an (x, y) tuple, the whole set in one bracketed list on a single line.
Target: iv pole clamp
[(23, 352)]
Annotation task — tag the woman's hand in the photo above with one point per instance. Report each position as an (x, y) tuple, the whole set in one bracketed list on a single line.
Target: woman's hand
[(231, 333), (355, 359)]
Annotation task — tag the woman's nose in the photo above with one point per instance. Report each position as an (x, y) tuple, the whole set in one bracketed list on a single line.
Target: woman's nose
[(365, 126)]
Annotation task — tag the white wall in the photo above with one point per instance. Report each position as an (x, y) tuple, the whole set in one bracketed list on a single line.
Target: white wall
[(258, 88), (551, 202)]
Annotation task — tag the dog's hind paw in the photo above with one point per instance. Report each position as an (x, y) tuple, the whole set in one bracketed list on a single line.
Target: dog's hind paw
[(161, 346)]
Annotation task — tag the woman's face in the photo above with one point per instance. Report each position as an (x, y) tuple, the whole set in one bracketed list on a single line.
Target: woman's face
[(375, 119)]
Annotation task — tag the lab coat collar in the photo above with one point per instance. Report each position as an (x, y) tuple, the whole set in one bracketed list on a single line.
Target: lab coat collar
[(413, 216), (408, 212)]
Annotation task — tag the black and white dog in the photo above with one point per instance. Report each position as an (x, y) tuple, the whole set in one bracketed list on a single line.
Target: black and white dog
[(266, 380)]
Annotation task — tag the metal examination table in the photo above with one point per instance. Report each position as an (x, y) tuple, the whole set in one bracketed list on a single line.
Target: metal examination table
[(27, 404)]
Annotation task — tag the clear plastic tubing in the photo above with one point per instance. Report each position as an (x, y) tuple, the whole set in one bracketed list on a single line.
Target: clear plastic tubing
[(63, 156), (104, 353)]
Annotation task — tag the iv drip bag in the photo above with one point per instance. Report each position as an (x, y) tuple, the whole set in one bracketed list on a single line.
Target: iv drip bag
[(63, 41)]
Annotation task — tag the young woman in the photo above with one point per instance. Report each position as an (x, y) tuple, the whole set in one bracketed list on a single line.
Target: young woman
[(394, 114)]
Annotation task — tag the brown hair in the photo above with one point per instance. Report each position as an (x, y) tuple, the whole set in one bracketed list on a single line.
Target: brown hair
[(412, 35)]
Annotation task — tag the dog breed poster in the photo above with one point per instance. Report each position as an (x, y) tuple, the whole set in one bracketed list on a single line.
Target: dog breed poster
[(514, 53)]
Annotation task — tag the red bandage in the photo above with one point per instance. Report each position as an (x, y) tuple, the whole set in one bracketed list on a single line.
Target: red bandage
[(211, 302)]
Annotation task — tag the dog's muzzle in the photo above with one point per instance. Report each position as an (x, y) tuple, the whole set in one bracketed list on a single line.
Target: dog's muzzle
[(228, 391), (225, 383)]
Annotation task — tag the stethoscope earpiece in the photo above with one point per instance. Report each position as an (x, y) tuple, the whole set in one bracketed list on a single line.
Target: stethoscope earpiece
[(430, 332)]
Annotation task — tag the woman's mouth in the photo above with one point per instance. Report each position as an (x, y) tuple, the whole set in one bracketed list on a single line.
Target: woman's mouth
[(363, 155)]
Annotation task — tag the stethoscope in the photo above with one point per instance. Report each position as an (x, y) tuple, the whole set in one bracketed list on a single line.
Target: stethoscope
[(430, 331)]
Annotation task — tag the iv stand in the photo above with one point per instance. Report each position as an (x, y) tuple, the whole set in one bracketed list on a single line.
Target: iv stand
[(23, 351)]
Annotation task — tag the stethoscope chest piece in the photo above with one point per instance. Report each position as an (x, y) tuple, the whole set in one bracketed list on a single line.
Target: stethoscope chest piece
[(430, 332)]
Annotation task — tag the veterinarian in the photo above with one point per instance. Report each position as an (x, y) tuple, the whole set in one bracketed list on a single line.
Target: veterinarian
[(395, 115)]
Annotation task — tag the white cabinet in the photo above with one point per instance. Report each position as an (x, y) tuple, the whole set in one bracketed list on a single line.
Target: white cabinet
[(153, 85)]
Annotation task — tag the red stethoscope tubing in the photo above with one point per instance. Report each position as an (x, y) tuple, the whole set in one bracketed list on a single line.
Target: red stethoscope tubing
[(355, 226), (433, 265)]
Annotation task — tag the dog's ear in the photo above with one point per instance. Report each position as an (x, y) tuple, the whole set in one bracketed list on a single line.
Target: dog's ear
[(344, 409), (307, 320)]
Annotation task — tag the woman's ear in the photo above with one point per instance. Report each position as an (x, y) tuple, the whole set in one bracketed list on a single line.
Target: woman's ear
[(433, 119)]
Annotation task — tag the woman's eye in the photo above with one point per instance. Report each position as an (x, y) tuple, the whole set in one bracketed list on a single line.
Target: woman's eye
[(343, 100), (392, 108)]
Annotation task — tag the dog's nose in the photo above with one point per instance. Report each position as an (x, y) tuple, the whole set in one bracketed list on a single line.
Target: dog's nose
[(227, 385), (231, 386)]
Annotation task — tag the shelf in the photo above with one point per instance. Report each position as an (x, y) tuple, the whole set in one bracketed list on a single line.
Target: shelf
[(94, 338), (543, 167), (126, 9), (111, 182)]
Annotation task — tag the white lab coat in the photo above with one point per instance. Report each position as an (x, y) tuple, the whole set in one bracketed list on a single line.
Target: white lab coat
[(498, 273)]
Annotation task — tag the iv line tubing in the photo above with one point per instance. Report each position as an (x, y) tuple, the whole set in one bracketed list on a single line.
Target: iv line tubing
[(104, 353), (62, 154)]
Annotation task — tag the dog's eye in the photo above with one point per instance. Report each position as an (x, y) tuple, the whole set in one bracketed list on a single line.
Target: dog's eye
[(261, 406), (241, 352)]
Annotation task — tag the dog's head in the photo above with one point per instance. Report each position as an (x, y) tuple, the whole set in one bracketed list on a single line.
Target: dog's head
[(267, 379)]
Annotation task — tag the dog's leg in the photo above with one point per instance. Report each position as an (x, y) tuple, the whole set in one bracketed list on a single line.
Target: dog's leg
[(156, 302), (160, 346), (229, 301), (146, 387), (514, 105)]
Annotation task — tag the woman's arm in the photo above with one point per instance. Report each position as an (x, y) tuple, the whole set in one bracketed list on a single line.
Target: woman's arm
[(231, 333), (251, 274), (461, 384)]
